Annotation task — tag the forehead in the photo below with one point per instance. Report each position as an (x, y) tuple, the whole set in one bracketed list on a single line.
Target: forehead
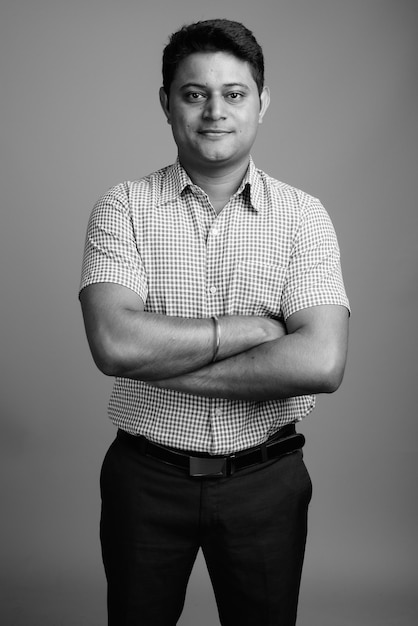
[(213, 69)]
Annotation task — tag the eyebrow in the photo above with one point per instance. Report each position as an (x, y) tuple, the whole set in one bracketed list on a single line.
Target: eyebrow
[(225, 85)]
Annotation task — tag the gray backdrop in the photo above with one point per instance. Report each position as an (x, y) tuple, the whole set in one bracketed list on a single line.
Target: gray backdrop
[(80, 113)]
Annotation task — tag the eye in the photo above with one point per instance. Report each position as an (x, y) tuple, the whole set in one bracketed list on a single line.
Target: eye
[(194, 96), (234, 95)]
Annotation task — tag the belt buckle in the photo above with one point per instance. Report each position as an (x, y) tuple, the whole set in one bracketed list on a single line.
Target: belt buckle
[(215, 467)]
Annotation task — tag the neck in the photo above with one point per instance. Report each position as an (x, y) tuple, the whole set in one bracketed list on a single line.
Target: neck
[(219, 184)]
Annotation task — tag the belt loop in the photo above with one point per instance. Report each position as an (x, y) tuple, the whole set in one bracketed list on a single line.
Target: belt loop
[(264, 453), (231, 465)]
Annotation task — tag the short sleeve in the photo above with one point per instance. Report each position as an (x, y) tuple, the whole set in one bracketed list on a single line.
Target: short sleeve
[(111, 253), (314, 274)]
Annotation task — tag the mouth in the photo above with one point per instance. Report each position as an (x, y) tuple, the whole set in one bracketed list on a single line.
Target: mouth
[(214, 134)]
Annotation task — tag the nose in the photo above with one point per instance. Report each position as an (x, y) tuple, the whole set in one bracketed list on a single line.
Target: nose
[(215, 108)]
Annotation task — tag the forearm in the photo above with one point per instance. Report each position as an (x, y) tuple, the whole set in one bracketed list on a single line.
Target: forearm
[(126, 341), (297, 364), (177, 346), (257, 374), (156, 346)]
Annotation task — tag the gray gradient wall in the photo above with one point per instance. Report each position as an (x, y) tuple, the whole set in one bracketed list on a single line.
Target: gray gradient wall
[(79, 112)]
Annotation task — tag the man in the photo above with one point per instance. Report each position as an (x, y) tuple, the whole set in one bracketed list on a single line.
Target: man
[(213, 293)]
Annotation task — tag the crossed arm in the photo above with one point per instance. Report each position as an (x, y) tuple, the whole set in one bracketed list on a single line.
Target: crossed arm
[(259, 358)]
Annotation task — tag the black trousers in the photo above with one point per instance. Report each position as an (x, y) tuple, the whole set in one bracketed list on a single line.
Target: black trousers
[(251, 527)]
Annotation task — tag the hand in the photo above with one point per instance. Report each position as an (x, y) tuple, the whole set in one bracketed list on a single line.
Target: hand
[(274, 327)]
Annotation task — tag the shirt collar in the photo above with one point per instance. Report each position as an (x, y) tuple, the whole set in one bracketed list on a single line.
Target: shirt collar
[(252, 181), (177, 180), (174, 182)]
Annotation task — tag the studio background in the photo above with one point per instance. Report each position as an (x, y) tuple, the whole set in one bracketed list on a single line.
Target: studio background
[(80, 113)]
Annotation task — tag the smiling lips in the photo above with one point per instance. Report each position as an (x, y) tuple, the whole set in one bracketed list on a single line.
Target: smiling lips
[(214, 132)]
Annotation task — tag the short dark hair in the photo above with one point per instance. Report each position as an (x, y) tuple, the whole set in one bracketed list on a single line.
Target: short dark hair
[(213, 35)]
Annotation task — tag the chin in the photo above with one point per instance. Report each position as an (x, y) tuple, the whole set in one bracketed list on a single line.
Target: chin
[(218, 156)]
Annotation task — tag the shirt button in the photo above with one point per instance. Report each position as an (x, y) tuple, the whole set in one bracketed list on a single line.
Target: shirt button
[(213, 290), (215, 232), (218, 412)]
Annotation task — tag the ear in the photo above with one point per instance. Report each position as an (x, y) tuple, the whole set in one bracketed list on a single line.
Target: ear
[(164, 104), (264, 103)]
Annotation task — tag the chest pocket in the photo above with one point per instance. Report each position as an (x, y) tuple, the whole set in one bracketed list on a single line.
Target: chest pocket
[(256, 289)]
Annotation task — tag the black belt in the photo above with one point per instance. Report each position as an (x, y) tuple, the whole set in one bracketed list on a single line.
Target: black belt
[(285, 441)]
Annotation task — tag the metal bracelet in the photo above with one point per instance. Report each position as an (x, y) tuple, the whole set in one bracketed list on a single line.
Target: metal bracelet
[(217, 337)]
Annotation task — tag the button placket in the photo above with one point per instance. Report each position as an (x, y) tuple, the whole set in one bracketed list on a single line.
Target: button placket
[(212, 253), (215, 417)]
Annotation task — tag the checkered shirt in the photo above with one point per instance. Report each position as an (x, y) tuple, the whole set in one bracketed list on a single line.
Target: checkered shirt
[(271, 251)]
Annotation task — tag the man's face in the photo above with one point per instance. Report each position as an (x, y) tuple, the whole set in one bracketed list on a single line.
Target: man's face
[(214, 110)]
